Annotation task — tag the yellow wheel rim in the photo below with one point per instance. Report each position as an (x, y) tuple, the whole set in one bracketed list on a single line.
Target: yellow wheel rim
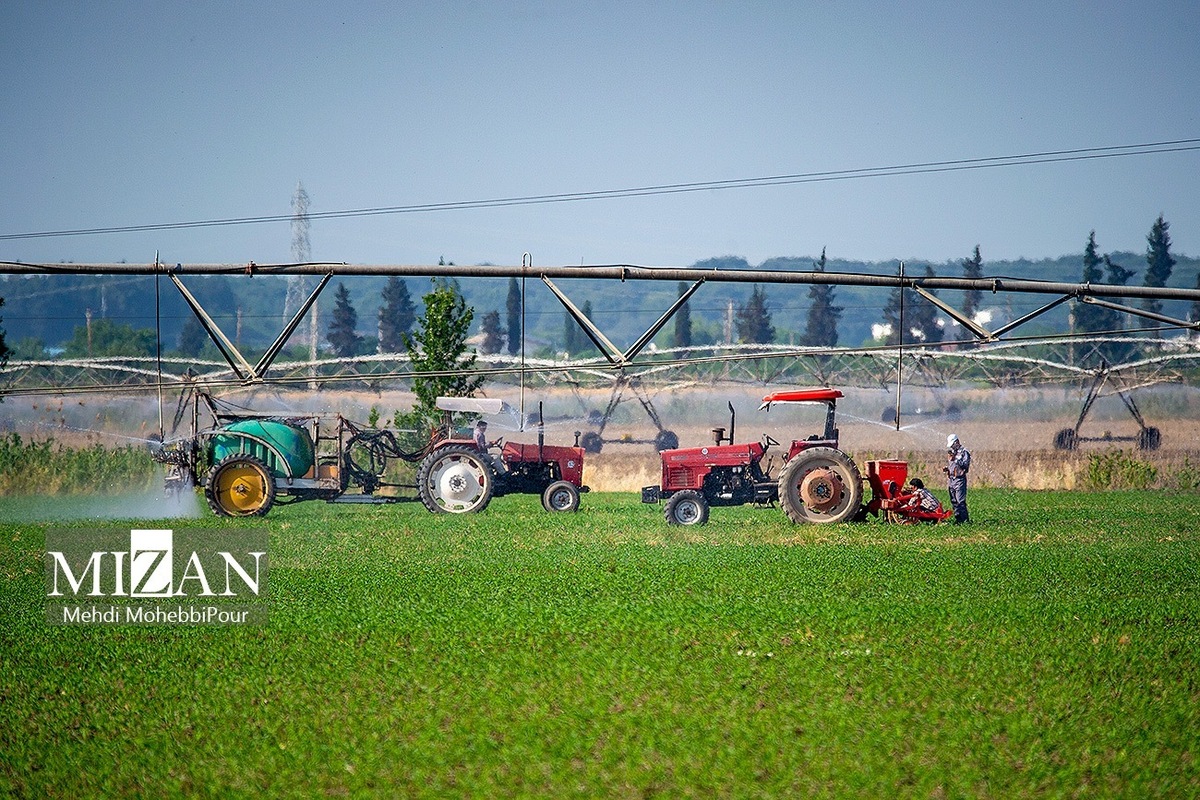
[(241, 489)]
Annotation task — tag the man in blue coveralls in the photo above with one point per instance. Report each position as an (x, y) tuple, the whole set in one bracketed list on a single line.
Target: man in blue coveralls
[(958, 464)]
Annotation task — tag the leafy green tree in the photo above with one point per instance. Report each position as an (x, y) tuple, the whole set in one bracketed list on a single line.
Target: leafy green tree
[(27, 348), (341, 334), (438, 345), (753, 318), (972, 270), (109, 338), (512, 308), (823, 315), (683, 321), (493, 337), (396, 315), (1159, 261)]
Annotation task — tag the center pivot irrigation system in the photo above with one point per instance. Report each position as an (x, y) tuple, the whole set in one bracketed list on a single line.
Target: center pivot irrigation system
[(628, 369)]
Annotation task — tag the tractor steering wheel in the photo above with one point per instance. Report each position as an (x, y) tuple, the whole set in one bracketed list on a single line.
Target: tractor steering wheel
[(769, 442), (498, 442)]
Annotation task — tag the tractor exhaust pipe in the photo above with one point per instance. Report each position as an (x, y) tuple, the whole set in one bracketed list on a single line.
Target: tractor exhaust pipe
[(541, 432)]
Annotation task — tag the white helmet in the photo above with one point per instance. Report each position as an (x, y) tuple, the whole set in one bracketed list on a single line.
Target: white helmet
[(951, 440)]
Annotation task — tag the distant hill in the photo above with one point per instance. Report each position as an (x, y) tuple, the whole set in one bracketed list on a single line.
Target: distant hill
[(49, 308)]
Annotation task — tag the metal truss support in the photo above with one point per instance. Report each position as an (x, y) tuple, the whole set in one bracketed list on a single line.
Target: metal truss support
[(1141, 312), (609, 350), (229, 351)]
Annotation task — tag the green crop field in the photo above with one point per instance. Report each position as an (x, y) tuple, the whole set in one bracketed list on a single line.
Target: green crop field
[(1048, 650)]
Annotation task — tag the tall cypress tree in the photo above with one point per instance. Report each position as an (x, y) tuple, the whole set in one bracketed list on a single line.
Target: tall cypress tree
[(1092, 318), (683, 322), (513, 310), (924, 316), (396, 315), (570, 334), (4, 351), (1159, 261), (341, 334), (754, 319), (972, 270), (920, 317), (823, 316), (192, 337), (1116, 352)]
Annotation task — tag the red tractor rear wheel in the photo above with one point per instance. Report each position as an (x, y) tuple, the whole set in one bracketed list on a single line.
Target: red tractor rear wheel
[(820, 485), (455, 479)]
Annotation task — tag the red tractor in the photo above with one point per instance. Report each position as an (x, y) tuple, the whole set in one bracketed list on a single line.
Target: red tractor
[(816, 483), (456, 476)]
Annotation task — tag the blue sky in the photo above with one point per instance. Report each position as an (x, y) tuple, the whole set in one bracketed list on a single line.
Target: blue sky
[(126, 113)]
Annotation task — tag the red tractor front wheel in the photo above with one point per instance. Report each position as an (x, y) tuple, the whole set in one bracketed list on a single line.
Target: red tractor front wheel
[(820, 485), (687, 507), (561, 496)]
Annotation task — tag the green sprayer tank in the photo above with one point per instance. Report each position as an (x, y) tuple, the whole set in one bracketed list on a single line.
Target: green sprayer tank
[(285, 449)]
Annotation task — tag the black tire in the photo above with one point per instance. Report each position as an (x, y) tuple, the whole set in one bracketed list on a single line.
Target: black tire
[(687, 507), (456, 479), (820, 485), (592, 442), (1149, 439), (561, 496), (666, 440), (1066, 439), (240, 485)]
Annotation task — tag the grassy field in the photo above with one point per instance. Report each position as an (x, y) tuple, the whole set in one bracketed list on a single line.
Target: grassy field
[(1048, 650)]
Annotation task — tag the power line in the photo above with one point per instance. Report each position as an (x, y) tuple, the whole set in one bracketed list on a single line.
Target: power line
[(928, 167)]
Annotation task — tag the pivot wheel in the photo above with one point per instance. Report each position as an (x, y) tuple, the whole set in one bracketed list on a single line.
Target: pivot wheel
[(687, 507), (1066, 439), (666, 440), (240, 486), (455, 479), (561, 496), (820, 485), (1149, 439)]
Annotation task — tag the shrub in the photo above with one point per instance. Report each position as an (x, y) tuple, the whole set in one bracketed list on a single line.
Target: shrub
[(1117, 470), (42, 468)]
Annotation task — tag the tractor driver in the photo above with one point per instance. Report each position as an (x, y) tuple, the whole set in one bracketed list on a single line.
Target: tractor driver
[(483, 444)]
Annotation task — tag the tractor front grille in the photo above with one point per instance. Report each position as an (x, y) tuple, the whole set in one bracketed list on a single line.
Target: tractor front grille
[(680, 478)]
